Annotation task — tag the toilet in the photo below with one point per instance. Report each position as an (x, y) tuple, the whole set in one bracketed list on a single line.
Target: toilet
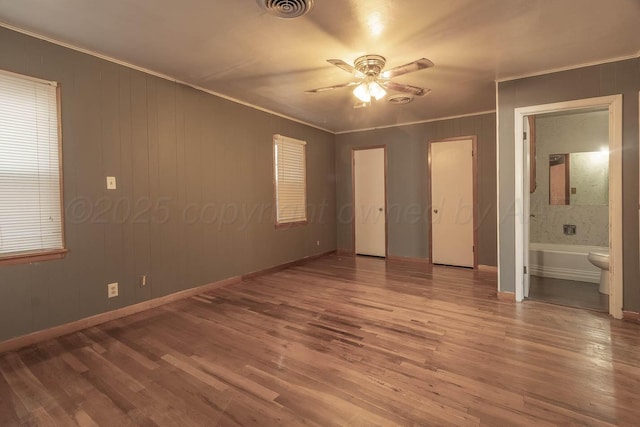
[(601, 260)]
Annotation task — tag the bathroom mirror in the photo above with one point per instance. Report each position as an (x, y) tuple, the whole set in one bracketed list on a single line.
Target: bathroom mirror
[(559, 179), (580, 179)]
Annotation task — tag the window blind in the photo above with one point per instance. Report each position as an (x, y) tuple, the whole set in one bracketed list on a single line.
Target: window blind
[(290, 176), (30, 203)]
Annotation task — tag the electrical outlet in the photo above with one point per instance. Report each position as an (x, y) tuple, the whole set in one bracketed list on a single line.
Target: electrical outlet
[(317, 242), (111, 183), (112, 290), (143, 280)]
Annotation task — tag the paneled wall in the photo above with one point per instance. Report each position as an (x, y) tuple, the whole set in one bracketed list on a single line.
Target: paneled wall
[(622, 77), (194, 202), (407, 183)]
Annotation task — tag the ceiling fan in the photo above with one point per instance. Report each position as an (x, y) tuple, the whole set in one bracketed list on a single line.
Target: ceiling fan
[(373, 80)]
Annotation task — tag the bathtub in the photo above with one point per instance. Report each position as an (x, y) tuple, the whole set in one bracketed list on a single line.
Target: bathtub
[(560, 261)]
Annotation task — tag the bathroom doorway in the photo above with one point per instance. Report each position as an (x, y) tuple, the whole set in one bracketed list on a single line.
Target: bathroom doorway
[(521, 208), (568, 206)]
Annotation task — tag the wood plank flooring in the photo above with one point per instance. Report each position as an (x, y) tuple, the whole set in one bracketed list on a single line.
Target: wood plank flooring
[(338, 341)]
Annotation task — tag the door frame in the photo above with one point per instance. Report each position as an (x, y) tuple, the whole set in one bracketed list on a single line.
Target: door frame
[(614, 104), (474, 174), (353, 197)]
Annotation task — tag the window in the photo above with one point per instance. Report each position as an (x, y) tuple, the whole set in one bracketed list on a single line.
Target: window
[(289, 156), (30, 195)]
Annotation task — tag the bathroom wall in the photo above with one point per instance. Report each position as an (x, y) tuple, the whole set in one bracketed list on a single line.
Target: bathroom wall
[(571, 133), (590, 175)]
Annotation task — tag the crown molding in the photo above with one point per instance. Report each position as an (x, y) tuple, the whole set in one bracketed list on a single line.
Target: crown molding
[(155, 73), (437, 119), (568, 68)]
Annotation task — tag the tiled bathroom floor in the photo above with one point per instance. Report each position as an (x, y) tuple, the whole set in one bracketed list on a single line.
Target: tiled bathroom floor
[(568, 292)]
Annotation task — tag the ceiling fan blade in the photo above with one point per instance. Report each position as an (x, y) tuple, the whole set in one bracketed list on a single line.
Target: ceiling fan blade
[(346, 67), (399, 87), (420, 64), (324, 89)]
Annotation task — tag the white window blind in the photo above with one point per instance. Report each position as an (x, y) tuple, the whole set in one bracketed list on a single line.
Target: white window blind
[(291, 181), (30, 204)]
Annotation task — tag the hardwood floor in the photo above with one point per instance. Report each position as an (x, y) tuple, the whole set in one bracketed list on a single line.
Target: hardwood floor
[(338, 341), (569, 293)]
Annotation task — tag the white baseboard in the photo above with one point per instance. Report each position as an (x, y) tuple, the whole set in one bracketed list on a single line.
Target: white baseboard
[(564, 273)]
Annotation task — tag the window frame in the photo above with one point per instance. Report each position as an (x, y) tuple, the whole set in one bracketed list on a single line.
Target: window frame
[(279, 224), (31, 256)]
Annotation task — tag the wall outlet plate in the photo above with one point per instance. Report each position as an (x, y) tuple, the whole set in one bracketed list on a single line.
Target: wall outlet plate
[(112, 290), (111, 183)]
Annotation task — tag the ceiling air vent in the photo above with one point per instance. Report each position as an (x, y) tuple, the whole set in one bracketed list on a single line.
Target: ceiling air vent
[(286, 8), (399, 99)]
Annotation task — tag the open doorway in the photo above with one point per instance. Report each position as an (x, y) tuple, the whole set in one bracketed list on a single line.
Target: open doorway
[(569, 207), (522, 268)]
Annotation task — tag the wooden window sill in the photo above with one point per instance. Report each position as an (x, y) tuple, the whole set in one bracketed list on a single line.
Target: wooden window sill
[(31, 257), (282, 225)]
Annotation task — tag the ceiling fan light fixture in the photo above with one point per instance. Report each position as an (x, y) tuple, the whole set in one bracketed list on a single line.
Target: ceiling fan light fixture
[(373, 82), (369, 89), (362, 92), (376, 90)]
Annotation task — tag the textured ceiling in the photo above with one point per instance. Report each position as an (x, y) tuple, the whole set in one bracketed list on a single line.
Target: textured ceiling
[(232, 47)]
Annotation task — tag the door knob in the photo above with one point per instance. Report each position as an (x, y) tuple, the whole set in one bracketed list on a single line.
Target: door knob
[(380, 209), (435, 211)]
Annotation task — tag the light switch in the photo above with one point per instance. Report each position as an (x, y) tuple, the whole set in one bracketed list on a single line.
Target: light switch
[(111, 183)]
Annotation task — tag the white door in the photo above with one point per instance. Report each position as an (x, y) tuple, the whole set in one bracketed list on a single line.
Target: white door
[(369, 197), (452, 221)]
